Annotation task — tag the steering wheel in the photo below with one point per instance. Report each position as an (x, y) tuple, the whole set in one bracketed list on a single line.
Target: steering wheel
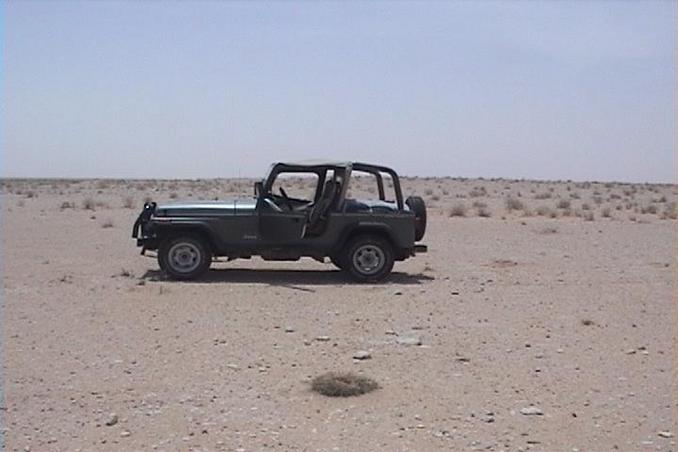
[(287, 198)]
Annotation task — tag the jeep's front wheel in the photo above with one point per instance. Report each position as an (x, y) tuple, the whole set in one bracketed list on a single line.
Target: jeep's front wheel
[(368, 258), (184, 257)]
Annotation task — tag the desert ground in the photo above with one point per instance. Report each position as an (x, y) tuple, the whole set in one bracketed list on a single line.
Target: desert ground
[(546, 313)]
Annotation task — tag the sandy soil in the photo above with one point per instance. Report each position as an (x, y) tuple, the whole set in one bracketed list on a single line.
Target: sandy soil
[(572, 316)]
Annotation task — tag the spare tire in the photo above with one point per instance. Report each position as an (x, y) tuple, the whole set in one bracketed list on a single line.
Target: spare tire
[(417, 205)]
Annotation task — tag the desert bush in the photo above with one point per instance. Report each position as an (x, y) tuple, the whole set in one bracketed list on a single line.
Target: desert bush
[(563, 204), (31, 194), (514, 204), (575, 195), (544, 195), (651, 209), (128, 202), (670, 212), (435, 198), (544, 211), (343, 384), (588, 216), (67, 205), (173, 195), (428, 192), (477, 192), (479, 204), (585, 206), (483, 212), (88, 204), (458, 210), (606, 212)]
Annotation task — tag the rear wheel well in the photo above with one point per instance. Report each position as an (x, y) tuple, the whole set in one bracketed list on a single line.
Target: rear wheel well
[(365, 230)]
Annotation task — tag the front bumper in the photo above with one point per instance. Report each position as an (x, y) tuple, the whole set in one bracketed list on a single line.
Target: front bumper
[(141, 230)]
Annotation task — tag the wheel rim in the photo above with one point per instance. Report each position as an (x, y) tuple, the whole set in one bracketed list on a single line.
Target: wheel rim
[(368, 259), (184, 257)]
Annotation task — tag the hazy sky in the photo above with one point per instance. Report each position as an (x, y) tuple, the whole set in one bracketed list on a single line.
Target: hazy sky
[(566, 90)]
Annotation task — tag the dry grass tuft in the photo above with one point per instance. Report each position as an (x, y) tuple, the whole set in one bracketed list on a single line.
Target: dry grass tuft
[(458, 210), (88, 204), (514, 204), (343, 384)]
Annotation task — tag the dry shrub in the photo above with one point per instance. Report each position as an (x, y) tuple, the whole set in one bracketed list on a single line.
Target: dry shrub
[(588, 216), (544, 211), (651, 209), (477, 192), (343, 384), (606, 212), (458, 210), (670, 212), (514, 204), (586, 206), (545, 195), (67, 205), (563, 204), (88, 204), (128, 202), (483, 212)]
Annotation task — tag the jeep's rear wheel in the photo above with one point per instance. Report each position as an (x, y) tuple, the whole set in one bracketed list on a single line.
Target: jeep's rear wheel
[(368, 258), (184, 257)]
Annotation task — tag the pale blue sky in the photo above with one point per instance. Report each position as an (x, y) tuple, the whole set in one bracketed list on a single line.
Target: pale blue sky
[(547, 90)]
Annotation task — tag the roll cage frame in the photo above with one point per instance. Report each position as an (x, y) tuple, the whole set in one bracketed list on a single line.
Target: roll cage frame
[(345, 169)]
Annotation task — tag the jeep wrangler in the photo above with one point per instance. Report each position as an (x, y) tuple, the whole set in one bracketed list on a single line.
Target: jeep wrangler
[(284, 221)]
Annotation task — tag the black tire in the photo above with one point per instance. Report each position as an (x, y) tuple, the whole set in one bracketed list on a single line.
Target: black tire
[(365, 249), (418, 207), (184, 257)]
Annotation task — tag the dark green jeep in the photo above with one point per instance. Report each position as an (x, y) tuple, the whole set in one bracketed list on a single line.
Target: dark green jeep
[(299, 209)]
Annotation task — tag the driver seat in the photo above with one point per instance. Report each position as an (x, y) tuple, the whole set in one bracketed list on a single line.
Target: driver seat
[(320, 209)]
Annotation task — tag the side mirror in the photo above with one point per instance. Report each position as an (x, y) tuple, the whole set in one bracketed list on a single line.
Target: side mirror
[(258, 188)]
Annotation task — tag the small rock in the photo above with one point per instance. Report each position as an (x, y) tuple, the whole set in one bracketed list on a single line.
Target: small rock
[(362, 354), (665, 434), (233, 366), (289, 329), (631, 351), (322, 338), (112, 420), (531, 411), (125, 433), (408, 340), (397, 292)]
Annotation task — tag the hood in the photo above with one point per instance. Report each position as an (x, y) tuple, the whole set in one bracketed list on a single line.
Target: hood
[(193, 208)]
